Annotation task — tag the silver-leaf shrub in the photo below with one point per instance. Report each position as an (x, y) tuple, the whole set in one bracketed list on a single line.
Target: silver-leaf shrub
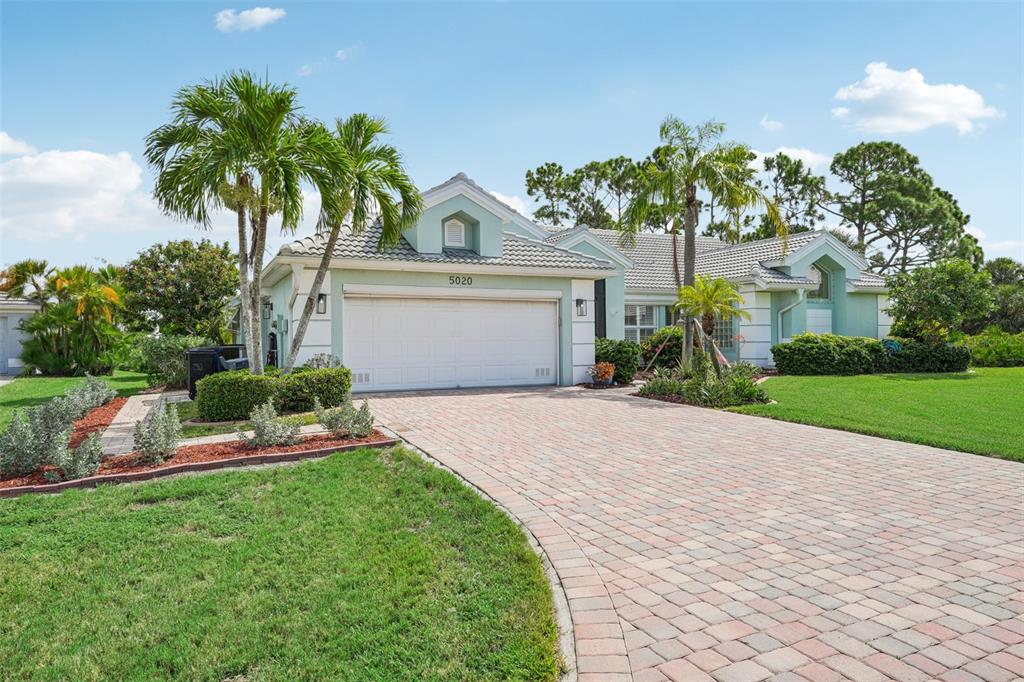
[(78, 463), (157, 436), (268, 429), (345, 421)]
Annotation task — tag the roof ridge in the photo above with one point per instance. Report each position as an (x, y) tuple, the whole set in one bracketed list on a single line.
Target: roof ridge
[(553, 247), (761, 242)]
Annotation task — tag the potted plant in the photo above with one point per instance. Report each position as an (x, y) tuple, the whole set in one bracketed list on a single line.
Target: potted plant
[(602, 373)]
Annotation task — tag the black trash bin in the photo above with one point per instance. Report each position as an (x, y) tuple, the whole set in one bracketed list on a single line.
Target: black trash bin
[(207, 360)]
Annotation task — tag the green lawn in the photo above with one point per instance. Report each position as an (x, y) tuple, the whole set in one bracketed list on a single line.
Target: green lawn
[(367, 565), (30, 391), (187, 410), (977, 411)]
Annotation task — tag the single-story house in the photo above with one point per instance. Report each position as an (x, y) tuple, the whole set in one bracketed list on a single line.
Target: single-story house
[(476, 294), (12, 311)]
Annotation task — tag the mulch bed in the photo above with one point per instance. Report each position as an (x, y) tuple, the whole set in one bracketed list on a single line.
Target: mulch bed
[(598, 387), (96, 420), (195, 456)]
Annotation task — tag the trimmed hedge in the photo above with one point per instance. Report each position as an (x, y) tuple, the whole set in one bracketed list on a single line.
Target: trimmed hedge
[(670, 355), (227, 396), (623, 354), (996, 348), (844, 355)]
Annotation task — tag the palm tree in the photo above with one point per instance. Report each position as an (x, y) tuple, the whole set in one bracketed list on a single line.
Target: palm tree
[(28, 274), (367, 190), (240, 143), (709, 298), (692, 159)]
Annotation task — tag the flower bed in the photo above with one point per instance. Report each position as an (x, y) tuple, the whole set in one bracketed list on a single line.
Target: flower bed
[(123, 468), (97, 419)]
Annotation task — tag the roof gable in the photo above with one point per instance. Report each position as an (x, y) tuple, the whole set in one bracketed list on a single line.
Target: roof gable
[(464, 185)]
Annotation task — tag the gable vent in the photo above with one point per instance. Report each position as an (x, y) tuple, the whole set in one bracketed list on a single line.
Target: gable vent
[(454, 233)]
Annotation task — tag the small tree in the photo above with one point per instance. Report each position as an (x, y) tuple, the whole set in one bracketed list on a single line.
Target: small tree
[(180, 287), (709, 298), (930, 303)]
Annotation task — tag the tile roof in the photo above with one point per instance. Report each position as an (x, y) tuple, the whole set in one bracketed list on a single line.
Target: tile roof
[(867, 280), (517, 251)]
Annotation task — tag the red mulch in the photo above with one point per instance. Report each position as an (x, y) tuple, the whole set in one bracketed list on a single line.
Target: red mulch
[(96, 420), (206, 453)]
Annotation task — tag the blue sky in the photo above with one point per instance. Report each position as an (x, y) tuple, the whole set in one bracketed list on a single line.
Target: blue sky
[(494, 89)]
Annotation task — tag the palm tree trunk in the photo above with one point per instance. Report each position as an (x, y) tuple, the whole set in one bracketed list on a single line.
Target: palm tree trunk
[(314, 292), (690, 260), (244, 302), (259, 243)]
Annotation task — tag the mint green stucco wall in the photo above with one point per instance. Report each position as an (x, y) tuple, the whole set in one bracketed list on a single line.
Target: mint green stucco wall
[(853, 314), (483, 232), (440, 279), (280, 294)]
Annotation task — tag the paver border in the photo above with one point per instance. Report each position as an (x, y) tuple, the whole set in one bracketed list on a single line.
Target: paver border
[(563, 613), (190, 467)]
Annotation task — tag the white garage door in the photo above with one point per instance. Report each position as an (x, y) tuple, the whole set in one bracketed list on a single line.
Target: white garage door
[(416, 343)]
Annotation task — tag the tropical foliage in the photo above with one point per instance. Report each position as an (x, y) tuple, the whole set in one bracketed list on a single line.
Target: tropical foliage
[(711, 298), (933, 303), (372, 185), (74, 331), (180, 287)]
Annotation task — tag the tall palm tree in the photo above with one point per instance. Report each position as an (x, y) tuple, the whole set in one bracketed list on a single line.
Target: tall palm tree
[(709, 298), (692, 159), (374, 186), (27, 278), (240, 143)]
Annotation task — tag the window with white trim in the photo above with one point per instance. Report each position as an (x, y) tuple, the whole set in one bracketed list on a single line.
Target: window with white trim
[(640, 322), (454, 233)]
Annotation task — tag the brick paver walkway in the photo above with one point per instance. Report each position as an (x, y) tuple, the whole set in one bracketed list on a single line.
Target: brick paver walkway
[(698, 545)]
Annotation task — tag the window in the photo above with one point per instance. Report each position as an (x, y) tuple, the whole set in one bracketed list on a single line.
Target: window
[(454, 233), (822, 292), (640, 322), (725, 332)]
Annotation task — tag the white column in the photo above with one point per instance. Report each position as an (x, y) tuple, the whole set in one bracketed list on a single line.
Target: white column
[(757, 331), (582, 329)]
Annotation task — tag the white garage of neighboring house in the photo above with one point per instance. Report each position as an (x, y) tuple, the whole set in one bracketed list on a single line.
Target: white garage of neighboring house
[(476, 294), (12, 311)]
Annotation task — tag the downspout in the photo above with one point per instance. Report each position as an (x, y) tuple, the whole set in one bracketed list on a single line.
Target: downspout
[(799, 299)]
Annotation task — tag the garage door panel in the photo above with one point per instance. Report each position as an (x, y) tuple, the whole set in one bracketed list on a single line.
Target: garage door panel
[(416, 343)]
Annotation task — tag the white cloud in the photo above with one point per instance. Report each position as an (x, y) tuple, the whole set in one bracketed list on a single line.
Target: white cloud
[(57, 194), (816, 161), (10, 146), (770, 125), (1013, 248), (306, 69), (346, 52), (515, 202), (247, 20), (888, 101)]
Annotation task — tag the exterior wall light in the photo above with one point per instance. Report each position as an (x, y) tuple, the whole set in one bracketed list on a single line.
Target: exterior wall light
[(321, 304), (267, 309), (581, 307)]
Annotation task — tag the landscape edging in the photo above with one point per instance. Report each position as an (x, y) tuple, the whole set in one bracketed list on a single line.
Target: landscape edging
[(188, 467)]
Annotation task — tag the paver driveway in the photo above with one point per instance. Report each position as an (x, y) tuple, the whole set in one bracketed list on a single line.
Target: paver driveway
[(697, 545)]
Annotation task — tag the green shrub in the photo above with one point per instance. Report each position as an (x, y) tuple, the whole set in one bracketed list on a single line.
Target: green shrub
[(828, 354), (164, 358), (19, 451), (622, 354), (78, 463), (704, 388), (831, 354), (996, 348), (911, 355), (296, 392), (157, 436), (268, 429), (671, 355), (227, 396), (345, 421)]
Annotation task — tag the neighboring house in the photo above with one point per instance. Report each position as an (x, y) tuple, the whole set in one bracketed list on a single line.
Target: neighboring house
[(12, 311), (476, 294)]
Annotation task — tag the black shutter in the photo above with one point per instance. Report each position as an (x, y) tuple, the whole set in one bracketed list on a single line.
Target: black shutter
[(600, 324)]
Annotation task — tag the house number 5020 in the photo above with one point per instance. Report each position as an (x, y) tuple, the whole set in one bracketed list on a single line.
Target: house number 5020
[(460, 280)]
